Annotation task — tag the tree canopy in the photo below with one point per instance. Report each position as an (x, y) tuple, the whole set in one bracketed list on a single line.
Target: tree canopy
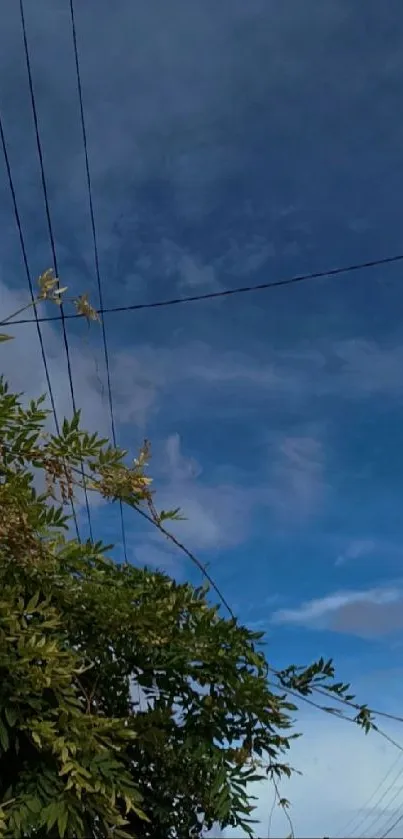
[(129, 705)]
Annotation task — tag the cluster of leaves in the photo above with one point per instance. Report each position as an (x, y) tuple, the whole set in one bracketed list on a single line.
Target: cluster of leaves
[(77, 755), (58, 764), (80, 756), (318, 678), (50, 290)]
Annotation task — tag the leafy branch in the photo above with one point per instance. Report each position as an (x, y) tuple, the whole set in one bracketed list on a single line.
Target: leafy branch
[(50, 290)]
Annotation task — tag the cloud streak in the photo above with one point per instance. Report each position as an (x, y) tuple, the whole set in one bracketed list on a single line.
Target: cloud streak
[(356, 549), (366, 613)]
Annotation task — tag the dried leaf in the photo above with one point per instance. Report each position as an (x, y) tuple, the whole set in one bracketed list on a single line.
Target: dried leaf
[(84, 308)]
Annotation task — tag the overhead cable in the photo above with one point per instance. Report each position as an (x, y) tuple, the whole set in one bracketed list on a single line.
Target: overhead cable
[(96, 253), (50, 227), (213, 295), (31, 290)]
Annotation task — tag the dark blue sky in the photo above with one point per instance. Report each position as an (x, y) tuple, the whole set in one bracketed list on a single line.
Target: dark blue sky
[(230, 144)]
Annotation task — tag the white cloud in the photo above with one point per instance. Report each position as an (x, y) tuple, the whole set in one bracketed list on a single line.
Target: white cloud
[(23, 368), (368, 613), (314, 609), (217, 513), (194, 275), (175, 465), (297, 476), (153, 373), (155, 553), (147, 377)]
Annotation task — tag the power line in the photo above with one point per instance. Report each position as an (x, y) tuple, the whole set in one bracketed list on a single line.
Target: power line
[(31, 290), (385, 809), (358, 707), (362, 812), (96, 254), (190, 555), (360, 825), (392, 827), (228, 292), (335, 697), (335, 713), (49, 223)]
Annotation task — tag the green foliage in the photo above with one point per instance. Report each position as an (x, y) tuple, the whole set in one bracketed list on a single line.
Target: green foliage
[(79, 757)]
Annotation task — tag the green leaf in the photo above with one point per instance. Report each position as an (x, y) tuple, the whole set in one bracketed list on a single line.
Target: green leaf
[(4, 337), (33, 804), (62, 822), (4, 738), (11, 716), (51, 814), (32, 603)]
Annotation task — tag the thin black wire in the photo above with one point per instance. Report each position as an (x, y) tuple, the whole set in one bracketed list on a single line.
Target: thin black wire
[(178, 544), (31, 290), (385, 809), (360, 826), (356, 705), (340, 716), (190, 555), (392, 827), (271, 813), (50, 228), (96, 254), (362, 811), (298, 278)]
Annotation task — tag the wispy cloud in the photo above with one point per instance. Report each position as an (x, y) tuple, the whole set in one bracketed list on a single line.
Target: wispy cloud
[(156, 554), (170, 264), (217, 513), (22, 366), (297, 483), (178, 377), (367, 613), (367, 368), (355, 549), (349, 370), (245, 257)]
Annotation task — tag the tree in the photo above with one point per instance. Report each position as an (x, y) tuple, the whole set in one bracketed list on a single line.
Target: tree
[(79, 757)]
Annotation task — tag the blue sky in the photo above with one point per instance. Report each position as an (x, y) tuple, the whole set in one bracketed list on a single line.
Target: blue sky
[(233, 144)]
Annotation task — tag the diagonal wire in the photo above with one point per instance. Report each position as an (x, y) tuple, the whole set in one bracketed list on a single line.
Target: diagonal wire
[(207, 576), (96, 254), (360, 826), (356, 706), (349, 826), (377, 818), (50, 228), (228, 292), (392, 827), (31, 290)]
